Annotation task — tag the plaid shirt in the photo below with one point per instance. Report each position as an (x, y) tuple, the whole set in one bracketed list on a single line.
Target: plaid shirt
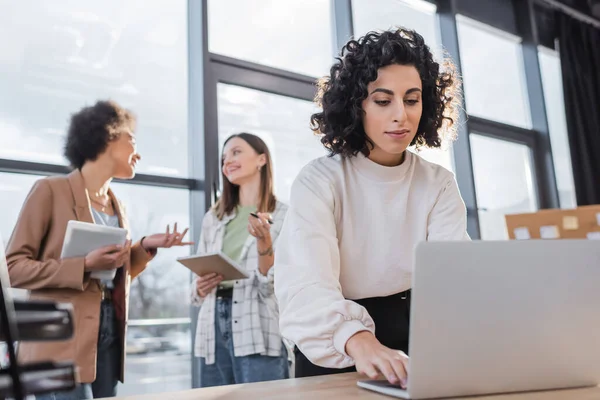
[(254, 313)]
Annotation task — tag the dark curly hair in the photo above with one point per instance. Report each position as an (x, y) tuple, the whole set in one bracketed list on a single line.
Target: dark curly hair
[(92, 128), (341, 94)]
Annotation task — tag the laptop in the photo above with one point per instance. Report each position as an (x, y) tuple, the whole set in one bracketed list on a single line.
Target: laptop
[(501, 317)]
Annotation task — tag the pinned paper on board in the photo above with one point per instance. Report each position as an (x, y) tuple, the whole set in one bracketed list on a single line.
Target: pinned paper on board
[(593, 235), (574, 223), (549, 232), (570, 223), (522, 233)]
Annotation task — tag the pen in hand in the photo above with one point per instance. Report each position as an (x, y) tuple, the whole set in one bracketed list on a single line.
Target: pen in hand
[(256, 216)]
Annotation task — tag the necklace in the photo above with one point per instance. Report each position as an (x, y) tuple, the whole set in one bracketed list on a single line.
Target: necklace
[(102, 205)]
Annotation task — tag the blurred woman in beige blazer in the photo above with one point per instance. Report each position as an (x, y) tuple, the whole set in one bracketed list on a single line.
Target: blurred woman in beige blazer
[(100, 145)]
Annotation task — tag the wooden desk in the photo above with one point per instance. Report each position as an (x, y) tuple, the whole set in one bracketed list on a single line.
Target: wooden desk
[(334, 387)]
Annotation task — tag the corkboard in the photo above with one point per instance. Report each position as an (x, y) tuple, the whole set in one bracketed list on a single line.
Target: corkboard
[(570, 224)]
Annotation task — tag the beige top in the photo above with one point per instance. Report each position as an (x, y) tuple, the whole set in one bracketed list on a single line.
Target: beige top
[(350, 233)]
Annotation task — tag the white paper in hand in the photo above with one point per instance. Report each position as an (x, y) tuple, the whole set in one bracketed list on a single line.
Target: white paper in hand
[(81, 238)]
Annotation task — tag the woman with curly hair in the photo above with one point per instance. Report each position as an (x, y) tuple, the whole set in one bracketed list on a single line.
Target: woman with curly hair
[(101, 146), (345, 256)]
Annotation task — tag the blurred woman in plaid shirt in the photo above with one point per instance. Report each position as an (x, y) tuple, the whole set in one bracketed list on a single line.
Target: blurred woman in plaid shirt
[(237, 337)]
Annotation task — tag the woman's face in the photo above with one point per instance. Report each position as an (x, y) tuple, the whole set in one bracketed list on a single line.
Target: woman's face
[(392, 112), (241, 163), (123, 155)]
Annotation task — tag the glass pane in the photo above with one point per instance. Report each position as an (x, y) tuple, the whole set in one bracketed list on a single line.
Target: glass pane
[(291, 35), (419, 15), (14, 188), (557, 123), (492, 68), (71, 53), (282, 122), (502, 187), (158, 335)]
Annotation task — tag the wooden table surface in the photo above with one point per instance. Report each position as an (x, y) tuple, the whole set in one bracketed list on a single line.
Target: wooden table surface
[(335, 387)]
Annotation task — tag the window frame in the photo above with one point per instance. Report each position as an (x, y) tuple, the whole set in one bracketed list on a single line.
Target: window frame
[(519, 21)]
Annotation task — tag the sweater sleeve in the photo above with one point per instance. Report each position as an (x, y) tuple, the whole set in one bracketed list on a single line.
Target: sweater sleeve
[(313, 311), (448, 218)]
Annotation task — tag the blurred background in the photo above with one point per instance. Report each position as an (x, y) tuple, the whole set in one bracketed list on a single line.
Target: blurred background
[(196, 71)]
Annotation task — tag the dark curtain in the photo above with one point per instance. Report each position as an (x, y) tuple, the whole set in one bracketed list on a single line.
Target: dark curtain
[(580, 61)]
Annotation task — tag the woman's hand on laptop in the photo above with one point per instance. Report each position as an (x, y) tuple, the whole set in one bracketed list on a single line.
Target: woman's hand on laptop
[(374, 359)]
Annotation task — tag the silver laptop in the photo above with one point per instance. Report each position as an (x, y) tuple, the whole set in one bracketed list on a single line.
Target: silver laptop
[(500, 317)]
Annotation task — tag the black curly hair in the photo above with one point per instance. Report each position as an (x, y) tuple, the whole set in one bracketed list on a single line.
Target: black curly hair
[(92, 128), (340, 95)]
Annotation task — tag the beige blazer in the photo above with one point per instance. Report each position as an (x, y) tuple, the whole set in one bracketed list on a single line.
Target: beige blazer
[(34, 263)]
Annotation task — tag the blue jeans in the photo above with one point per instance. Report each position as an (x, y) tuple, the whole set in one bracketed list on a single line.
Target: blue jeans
[(229, 369), (108, 362)]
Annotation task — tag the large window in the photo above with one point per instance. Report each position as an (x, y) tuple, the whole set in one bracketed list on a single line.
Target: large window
[(504, 183), (492, 67), (282, 122), (68, 55), (13, 191), (71, 53), (158, 337), (294, 35), (157, 293), (388, 14), (557, 124)]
